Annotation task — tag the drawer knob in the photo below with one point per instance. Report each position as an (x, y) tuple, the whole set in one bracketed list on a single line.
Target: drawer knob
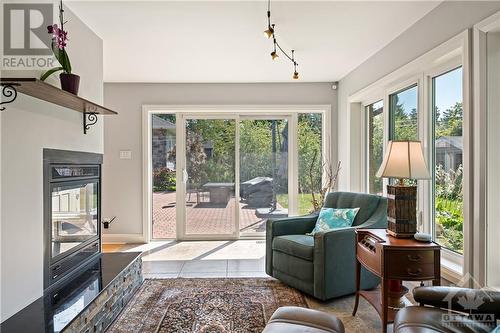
[(414, 257), (416, 272)]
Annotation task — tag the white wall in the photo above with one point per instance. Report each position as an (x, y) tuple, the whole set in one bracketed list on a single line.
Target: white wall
[(27, 126), (123, 178), (444, 22)]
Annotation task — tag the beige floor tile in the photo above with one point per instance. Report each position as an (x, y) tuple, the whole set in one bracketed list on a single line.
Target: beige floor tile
[(205, 266), (246, 265), (162, 266)]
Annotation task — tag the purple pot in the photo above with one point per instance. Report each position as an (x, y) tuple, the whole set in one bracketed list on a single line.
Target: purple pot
[(70, 82)]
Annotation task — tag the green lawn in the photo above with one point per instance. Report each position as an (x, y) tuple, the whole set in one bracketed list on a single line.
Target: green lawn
[(305, 204)]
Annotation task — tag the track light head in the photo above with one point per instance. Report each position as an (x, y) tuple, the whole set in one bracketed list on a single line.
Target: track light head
[(269, 32), (274, 55)]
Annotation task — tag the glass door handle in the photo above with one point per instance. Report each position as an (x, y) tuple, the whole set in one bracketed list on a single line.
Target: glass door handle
[(185, 176)]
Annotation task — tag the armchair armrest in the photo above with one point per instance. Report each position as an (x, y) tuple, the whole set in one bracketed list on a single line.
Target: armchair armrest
[(334, 252), (299, 225), (460, 299)]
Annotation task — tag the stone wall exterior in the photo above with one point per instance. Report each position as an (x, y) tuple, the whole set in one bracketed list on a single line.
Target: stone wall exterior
[(108, 305)]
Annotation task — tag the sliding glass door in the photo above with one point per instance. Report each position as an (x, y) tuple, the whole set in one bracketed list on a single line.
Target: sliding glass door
[(209, 178), (263, 147), (222, 175)]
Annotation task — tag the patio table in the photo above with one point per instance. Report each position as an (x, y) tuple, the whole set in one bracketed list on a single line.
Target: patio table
[(220, 193)]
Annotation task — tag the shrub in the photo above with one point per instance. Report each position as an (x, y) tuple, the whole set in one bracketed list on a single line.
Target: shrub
[(449, 208), (163, 180)]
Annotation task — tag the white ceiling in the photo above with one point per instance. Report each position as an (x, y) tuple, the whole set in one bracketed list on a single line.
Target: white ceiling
[(223, 41)]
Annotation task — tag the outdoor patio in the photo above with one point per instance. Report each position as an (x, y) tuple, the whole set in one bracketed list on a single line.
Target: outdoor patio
[(202, 218)]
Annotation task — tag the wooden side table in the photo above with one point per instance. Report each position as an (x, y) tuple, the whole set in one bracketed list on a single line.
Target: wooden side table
[(393, 258)]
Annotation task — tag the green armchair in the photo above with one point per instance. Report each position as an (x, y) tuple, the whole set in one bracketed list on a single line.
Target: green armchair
[(323, 265)]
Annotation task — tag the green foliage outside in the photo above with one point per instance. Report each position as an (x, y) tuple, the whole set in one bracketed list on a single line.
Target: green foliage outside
[(163, 180), (448, 183), (448, 189), (310, 157), (305, 206), (255, 155)]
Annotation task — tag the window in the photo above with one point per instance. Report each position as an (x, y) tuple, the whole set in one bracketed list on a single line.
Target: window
[(448, 165), (163, 135), (310, 161), (404, 114), (375, 151)]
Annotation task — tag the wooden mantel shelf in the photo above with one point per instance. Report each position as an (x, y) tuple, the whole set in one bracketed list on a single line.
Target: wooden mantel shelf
[(44, 91), (41, 90)]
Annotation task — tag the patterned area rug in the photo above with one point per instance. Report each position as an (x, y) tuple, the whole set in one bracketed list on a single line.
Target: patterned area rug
[(205, 305)]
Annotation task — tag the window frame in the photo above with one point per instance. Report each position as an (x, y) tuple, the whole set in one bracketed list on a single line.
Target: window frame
[(418, 72), (236, 111), (366, 141), (479, 212)]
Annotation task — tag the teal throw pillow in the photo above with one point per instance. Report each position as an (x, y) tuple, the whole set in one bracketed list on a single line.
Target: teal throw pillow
[(334, 218)]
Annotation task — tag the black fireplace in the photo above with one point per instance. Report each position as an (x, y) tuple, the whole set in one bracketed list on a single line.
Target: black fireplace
[(72, 214)]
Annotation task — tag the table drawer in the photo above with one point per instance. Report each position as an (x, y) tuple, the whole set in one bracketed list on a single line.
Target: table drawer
[(411, 272), (410, 257)]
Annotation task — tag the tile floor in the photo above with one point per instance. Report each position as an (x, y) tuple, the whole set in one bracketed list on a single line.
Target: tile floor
[(171, 259)]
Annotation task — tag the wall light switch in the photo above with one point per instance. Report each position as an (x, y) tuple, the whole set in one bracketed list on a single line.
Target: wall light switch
[(125, 154)]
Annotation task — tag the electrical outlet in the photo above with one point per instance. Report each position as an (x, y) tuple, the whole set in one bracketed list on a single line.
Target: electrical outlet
[(125, 154)]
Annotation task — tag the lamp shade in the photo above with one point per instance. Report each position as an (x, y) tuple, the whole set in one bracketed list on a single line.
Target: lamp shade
[(404, 159)]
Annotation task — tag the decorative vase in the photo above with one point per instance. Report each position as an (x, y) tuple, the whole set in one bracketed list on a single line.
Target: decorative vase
[(70, 82)]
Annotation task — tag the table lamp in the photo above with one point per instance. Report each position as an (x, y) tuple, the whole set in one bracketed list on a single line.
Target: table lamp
[(403, 160)]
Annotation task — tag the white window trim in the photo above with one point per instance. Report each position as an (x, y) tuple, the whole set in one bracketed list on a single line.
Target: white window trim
[(419, 71), (480, 181), (233, 111)]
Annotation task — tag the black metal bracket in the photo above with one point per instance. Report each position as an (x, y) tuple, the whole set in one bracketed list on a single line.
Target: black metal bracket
[(89, 118), (9, 91)]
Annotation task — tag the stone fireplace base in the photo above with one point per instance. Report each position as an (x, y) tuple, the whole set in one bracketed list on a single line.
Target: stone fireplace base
[(84, 304)]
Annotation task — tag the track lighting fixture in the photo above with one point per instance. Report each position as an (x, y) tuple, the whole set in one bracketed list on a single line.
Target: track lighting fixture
[(295, 73), (271, 32), (274, 55)]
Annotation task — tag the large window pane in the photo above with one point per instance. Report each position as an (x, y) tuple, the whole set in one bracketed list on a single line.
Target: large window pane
[(404, 114), (263, 173), (448, 152), (210, 165), (310, 161), (163, 159), (375, 135)]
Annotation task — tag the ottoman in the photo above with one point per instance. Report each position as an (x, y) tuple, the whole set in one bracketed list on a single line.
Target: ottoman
[(292, 319)]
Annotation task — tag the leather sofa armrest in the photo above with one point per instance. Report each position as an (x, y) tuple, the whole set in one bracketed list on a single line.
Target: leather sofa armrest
[(460, 299)]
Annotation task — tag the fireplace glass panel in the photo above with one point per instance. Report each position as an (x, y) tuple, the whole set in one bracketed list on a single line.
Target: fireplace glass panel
[(74, 216)]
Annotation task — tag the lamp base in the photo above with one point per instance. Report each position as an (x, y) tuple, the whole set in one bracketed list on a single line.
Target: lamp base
[(401, 211)]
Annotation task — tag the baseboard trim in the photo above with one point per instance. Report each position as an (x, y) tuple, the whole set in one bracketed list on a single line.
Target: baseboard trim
[(123, 239)]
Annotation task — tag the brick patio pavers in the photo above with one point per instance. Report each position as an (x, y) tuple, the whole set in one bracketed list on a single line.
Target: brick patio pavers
[(202, 218)]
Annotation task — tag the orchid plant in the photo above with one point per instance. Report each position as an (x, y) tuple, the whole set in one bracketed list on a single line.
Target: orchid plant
[(59, 42)]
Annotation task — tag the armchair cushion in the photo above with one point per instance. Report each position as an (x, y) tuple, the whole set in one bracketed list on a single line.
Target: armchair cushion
[(334, 218), (368, 203), (300, 246)]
